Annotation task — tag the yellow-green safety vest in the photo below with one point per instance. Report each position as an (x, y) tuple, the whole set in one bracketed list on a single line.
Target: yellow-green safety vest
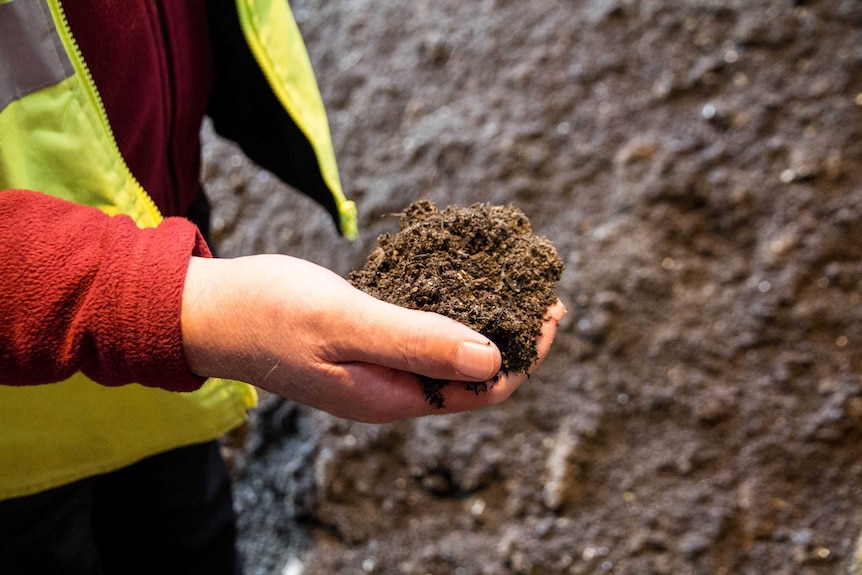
[(55, 138)]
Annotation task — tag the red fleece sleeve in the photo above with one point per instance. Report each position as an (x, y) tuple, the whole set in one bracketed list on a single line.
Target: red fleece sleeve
[(82, 291)]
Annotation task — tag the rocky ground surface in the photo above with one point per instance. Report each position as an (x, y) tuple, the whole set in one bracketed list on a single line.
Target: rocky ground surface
[(698, 165)]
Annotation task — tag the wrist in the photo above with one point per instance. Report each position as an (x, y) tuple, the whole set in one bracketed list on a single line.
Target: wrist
[(200, 322)]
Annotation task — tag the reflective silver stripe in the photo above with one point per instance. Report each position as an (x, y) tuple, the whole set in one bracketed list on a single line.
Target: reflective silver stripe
[(31, 53)]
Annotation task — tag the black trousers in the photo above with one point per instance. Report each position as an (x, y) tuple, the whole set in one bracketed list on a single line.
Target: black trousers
[(169, 514)]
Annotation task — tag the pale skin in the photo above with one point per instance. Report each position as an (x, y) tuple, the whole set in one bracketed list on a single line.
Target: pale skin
[(296, 329)]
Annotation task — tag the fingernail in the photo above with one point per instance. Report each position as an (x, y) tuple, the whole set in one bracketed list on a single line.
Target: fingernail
[(475, 360)]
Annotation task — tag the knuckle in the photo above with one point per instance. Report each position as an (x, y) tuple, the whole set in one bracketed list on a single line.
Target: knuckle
[(415, 346)]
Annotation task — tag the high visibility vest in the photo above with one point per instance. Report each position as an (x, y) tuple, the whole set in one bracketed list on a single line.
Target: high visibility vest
[(55, 138)]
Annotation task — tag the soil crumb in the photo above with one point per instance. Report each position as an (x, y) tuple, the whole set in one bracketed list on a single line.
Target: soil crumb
[(480, 265)]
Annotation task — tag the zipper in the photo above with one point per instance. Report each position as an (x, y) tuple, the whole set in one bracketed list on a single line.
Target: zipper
[(83, 73)]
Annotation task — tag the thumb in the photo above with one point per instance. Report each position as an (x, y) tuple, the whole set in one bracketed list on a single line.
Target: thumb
[(420, 342)]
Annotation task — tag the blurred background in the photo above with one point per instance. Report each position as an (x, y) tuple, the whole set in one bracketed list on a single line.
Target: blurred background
[(698, 164)]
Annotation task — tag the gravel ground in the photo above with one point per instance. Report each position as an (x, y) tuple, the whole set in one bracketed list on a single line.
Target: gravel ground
[(698, 165)]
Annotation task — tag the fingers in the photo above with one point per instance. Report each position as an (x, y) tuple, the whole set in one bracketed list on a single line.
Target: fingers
[(430, 344), (394, 394), (383, 395), (557, 311), (549, 330)]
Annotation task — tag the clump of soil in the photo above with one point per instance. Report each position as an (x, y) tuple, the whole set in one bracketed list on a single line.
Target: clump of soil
[(480, 265)]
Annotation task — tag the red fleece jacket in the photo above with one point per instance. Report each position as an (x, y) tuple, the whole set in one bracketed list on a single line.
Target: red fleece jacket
[(83, 291), (152, 64)]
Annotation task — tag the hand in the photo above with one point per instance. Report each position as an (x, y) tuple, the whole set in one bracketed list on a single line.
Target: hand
[(298, 330)]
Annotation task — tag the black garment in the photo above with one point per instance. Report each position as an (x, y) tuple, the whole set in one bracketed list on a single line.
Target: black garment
[(244, 109), (168, 514)]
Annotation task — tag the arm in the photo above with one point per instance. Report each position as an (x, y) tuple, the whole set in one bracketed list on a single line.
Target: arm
[(82, 291), (95, 293), (298, 330)]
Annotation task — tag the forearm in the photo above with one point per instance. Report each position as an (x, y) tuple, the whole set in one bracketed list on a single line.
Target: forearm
[(86, 292)]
